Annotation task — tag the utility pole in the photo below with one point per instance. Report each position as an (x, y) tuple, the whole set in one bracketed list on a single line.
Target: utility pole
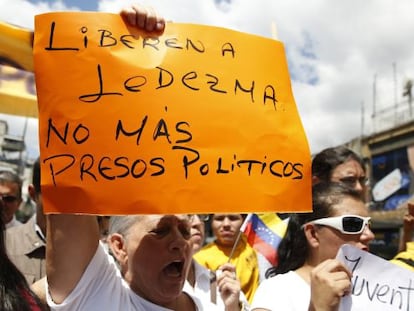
[(374, 99), (408, 92), (362, 118), (394, 69), (362, 126)]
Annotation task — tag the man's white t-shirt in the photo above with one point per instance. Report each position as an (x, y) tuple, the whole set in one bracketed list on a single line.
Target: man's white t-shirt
[(202, 283), (103, 288), (287, 292)]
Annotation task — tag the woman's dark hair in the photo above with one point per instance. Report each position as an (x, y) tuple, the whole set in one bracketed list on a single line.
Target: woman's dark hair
[(328, 159), (294, 249), (15, 293)]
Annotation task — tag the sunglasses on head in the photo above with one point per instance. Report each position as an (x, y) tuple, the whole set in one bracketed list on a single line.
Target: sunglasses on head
[(8, 198), (347, 224)]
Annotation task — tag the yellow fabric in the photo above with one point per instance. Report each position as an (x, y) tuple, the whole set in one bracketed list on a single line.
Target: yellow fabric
[(408, 254), (212, 256)]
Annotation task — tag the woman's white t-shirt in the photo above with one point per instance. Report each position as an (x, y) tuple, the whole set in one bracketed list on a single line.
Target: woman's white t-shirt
[(287, 292)]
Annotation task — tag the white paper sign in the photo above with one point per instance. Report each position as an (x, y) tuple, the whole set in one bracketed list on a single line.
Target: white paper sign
[(377, 285)]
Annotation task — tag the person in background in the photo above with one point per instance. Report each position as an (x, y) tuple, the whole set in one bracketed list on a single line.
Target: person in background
[(15, 293), (408, 227), (103, 222), (26, 244), (405, 256), (204, 283), (307, 266), (226, 229), (11, 193), (342, 165)]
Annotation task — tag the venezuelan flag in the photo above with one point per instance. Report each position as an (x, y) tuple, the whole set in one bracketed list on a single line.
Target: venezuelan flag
[(264, 233)]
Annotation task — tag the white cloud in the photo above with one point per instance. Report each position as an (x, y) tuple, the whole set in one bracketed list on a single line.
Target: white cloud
[(22, 12), (334, 50)]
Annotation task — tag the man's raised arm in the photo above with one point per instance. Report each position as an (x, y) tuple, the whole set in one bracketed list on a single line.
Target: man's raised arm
[(72, 241)]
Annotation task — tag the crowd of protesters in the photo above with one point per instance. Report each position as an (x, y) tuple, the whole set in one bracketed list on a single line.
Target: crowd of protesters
[(161, 262)]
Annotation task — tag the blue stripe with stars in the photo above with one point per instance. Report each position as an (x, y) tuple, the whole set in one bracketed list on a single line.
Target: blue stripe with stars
[(264, 232)]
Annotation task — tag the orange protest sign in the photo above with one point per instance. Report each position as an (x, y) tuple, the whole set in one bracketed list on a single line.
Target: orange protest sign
[(201, 119)]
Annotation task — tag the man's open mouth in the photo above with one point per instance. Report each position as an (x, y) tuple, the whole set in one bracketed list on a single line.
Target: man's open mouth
[(175, 268)]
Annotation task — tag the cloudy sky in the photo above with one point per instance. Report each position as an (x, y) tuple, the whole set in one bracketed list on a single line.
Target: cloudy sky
[(340, 53)]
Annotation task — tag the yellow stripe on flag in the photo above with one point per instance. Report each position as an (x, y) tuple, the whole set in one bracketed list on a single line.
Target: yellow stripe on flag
[(274, 223)]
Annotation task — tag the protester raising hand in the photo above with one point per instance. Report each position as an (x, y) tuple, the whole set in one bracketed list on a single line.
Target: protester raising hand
[(220, 287), (144, 18), (228, 248), (153, 252), (408, 227), (405, 256), (229, 286)]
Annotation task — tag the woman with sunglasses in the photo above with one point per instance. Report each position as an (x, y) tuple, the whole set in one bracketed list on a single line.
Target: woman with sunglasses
[(308, 277)]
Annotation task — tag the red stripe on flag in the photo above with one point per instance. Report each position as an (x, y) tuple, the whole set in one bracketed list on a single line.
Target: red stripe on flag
[(262, 247), (259, 245)]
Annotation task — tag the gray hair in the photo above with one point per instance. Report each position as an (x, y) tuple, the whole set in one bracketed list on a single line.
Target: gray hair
[(122, 224), (10, 177)]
